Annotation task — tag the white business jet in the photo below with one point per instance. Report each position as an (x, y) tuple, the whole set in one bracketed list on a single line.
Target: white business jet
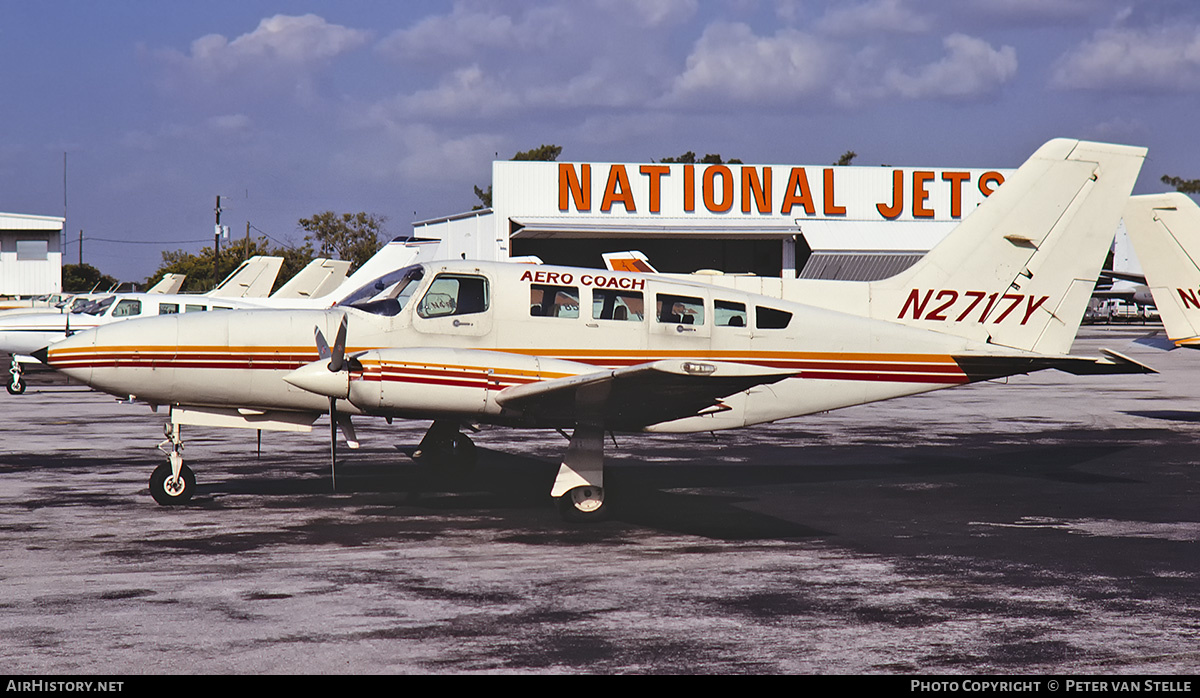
[(592, 351), (1165, 231)]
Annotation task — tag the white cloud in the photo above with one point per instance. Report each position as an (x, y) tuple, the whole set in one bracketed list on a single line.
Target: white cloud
[(653, 13), (730, 62), (890, 16), (466, 93), (1141, 59), (971, 69), (466, 31), (281, 40)]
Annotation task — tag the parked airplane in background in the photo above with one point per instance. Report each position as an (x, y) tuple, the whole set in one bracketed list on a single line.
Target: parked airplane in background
[(21, 336), (320, 278), (595, 351), (1165, 230)]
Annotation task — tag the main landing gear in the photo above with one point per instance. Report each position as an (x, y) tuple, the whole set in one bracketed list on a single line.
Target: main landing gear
[(172, 482), (16, 381), (444, 445), (579, 487)]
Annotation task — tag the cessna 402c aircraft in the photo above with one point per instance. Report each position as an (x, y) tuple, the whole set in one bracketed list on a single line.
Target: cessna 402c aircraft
[(592, 350)]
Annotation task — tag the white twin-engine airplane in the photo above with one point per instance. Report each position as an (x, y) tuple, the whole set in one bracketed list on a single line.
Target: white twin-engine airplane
[(592, 350), (1165, 231)]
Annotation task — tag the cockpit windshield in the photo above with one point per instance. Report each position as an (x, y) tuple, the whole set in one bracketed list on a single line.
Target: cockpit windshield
[(388, 294), (97, 307)]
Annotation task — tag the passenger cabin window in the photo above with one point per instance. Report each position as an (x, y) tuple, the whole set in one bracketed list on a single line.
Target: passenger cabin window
[(194, 308), (729, 314), (770, 318), (553, 301), (168, 308), (127, 307), (454, 294), (608, 304), (679, 310)]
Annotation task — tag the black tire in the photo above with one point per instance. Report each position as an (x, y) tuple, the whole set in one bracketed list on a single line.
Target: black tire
[(167, 496), (583, 505), (457, 452), (16, 388)]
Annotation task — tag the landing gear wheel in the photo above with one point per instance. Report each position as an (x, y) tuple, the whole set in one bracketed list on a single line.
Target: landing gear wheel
[(583, 505), (456, 451), (16, 387), (167, 491)]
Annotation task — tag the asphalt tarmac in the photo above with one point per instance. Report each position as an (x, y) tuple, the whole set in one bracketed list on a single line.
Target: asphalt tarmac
[(1045, 525)]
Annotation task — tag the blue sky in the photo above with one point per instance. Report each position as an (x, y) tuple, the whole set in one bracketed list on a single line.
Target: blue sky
[(398, 108)]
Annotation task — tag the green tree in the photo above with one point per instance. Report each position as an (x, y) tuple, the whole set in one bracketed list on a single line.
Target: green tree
[(81, 278), (199, 266), (354, 237), (689, 158), (1185, 186), (542, 153), (847, 158)]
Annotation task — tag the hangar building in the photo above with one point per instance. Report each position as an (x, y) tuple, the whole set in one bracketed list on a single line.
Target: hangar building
[(30, 254), (786, 221)]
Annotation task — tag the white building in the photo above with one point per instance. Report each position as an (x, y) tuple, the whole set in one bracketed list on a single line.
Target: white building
[(770, 220), (30, 254)]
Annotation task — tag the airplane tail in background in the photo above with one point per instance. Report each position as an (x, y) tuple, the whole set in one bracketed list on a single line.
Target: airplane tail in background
[(253, 279), (629, 260), (1018, 272), (169, 283), (1165, 230), (318, 278)]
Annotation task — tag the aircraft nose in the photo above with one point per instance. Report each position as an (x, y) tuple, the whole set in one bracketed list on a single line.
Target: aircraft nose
[(317, 378), (71, 356)]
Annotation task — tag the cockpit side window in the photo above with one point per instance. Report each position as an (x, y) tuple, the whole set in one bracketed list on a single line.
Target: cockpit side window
[(127, 307), (610, 304), (454, 294), (679, 310), (98, 307), (388, 294), (553, 301)]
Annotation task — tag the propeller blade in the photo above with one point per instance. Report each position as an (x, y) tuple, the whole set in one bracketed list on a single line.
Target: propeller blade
[(333, 441), (322, 345), (337, 358)]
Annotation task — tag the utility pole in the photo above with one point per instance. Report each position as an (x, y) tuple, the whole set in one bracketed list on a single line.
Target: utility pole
[(217, 246), (81, 247)]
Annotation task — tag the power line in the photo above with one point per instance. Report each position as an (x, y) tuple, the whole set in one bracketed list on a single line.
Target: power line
[(137, 242)]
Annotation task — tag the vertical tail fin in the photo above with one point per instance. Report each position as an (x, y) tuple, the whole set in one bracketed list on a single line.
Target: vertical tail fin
[(1019, 271), (253, 279), (1165, 230), (318, 278)]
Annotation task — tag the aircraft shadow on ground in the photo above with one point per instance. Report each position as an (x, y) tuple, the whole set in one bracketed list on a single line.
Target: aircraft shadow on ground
[(1167, 415), (686, 492), (664, 485)]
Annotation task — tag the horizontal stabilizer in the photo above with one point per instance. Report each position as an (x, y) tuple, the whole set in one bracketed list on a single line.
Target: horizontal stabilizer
[(980, 368)]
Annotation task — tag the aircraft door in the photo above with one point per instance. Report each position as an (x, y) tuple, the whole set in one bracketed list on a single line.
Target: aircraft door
[(682, 320), (455, 304)]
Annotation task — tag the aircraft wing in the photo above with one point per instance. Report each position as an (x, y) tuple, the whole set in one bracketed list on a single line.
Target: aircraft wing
[(641, 395)]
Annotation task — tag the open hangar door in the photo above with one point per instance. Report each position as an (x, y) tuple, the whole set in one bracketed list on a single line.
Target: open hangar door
[(683, 255)]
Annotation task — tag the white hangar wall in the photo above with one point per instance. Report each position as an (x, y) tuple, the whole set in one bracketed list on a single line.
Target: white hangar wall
[(771, 220), (30, 254)]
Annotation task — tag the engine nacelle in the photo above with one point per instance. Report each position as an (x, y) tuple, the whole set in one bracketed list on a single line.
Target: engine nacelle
[(461, 381)]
